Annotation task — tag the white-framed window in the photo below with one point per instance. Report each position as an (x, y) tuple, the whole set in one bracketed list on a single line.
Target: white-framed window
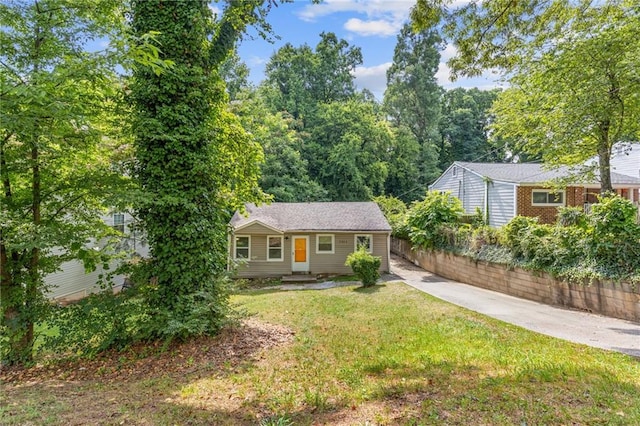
[(118, 222), (242, 247), (325, 243), (275, 248), (454, 171), (547, 197), (364, 240)]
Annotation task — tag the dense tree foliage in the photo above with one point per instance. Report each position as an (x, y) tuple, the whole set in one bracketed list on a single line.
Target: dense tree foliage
[(464, 127), (298, 79), (57, 145), (573, 68), (284, 173), (195, 163), (413, 100), (346, 149)]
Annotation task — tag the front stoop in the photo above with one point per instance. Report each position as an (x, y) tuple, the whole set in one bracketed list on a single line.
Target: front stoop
[(299, 278)]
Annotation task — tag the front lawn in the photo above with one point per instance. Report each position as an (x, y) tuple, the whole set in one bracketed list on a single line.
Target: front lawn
[(382, 355)]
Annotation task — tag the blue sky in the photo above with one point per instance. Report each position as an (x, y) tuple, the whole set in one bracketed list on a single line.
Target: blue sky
[(372, 25)]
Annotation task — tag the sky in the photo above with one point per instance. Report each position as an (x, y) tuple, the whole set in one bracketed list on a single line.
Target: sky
[(372, 25)]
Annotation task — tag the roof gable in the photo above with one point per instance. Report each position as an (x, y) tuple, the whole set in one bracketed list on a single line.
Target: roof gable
[(317, 216)]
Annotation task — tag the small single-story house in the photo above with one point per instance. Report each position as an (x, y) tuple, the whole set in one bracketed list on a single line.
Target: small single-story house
[(281, 239), (505, 190)]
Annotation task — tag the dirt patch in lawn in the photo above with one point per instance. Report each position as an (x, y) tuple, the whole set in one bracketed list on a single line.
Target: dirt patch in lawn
[(233, 346)]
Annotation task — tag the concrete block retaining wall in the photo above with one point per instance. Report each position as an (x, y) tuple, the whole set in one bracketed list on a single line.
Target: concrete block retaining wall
[(618, 300)]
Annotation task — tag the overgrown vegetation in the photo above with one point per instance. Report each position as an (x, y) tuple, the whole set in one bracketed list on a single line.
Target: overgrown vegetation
[(579, 247)]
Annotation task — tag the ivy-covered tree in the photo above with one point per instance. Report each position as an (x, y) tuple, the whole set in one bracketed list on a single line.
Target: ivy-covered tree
[(195, 163), (57, 142)]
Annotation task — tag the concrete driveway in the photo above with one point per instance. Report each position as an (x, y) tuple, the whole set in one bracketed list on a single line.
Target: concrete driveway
[(576, 326)]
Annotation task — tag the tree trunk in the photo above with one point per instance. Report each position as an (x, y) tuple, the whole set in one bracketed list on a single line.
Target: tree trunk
[(604, 159)]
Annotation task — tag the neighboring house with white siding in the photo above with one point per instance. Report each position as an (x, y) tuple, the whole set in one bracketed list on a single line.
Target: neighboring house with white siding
[(73, 283), (281, 239), (625, 159), (505, 190)]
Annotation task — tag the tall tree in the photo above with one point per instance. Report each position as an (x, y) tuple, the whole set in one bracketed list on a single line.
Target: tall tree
[(464, 125), (195, 164), (235, 74), (299, 78), (55, 151), (347, 150), (413, 96), (556, 53), (284, 173)]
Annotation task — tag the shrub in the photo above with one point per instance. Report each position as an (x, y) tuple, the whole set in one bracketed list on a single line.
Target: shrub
[(571, 216), (513, 233), (365, 266), (395, 211), (426, 219), (96, 323), (615, 235)]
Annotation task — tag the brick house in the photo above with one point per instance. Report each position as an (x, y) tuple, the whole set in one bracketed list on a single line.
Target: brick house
[(505, 190)]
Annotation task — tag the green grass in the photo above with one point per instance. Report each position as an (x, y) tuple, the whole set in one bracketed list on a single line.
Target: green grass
[(383, 355)]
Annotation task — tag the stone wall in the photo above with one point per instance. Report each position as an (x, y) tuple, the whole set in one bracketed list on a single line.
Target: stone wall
[(619, 300)]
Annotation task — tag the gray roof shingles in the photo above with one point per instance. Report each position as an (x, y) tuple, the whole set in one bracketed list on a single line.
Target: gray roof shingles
[(534, 173), (316, 216)]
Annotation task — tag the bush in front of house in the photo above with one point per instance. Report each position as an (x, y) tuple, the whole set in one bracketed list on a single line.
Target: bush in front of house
[(365, 266)]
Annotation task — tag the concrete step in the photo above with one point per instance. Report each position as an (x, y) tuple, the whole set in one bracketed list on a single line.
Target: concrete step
[(299, 278)]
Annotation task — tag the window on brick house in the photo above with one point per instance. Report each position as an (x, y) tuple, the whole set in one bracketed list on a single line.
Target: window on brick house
[(547, 197)]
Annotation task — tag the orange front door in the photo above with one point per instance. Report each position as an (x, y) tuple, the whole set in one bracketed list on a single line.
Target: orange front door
[(300, 250), (300, 254)]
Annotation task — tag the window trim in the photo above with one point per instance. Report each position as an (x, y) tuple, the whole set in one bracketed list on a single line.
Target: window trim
[(275, 259), (235, 247), (355, 241), (119, 226), (547, 192), (333, 244)]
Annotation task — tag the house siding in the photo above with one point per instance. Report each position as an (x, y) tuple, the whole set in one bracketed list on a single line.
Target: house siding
[(501, 203), (473, 189), (73, 283), (465, 185), (330, 263), (626, 162), (574, 197)]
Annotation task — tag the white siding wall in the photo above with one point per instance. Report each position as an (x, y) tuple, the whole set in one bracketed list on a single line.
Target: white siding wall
[(473, 192), (467, 186), (627, 162), (449, 182), (501, 203), (72, 283)]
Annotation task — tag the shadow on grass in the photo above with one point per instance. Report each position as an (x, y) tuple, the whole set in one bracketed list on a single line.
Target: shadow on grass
[(369, 290)]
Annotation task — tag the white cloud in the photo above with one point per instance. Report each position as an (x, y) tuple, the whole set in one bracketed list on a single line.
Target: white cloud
[(373, 78), (384, 17), (372, 28), (256, 61), (215, 9), (487, 81)]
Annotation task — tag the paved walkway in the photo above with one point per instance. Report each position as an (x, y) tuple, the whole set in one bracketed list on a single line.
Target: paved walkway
[(576, 326)]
